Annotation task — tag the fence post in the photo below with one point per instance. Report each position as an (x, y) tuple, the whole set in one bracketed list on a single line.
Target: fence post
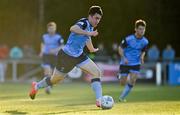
[(158, 74), (14, 70)]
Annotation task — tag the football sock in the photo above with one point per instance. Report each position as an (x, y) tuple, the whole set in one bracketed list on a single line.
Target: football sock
[(126, 91), (43, 83), (96, 86)]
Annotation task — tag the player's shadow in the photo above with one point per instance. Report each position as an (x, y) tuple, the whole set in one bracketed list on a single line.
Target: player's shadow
[(75, 104), (79, 110), (15, 112), (74, 111)]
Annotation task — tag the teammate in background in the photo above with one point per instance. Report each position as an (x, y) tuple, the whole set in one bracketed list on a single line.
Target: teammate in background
[(51, 43), (132, 51), (72, 55)]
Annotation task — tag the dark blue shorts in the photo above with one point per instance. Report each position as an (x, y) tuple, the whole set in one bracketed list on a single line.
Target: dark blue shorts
[(49, 60), (124, 70), (66, 63)]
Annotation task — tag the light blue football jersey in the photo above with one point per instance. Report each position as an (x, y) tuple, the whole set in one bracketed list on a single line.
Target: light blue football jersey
[(51, 42), (132, 48), (76, 42)]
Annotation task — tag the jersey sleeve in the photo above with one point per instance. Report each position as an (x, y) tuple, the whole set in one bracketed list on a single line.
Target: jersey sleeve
[(123, 43), (82, 24)]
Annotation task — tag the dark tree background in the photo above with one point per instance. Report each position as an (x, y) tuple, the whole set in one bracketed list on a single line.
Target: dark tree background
[(19, 20)]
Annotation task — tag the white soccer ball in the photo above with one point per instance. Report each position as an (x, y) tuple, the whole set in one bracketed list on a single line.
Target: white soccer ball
[(107, 102)]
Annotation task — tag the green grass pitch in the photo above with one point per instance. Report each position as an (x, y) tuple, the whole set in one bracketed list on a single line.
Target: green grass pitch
[(78, 99)]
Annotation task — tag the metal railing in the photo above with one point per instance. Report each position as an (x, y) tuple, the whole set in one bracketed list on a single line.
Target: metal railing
[(16, 62), (161, 68)]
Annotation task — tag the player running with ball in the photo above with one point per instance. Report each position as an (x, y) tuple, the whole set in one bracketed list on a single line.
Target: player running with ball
[(72, 55)]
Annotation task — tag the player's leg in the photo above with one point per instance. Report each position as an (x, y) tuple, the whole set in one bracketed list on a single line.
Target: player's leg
[(47, 67), (88, 66), (47, 73), (123, 75), (49, 81), (65, 63), (123, 80), (52, 64), (134, 72), (46, 81)]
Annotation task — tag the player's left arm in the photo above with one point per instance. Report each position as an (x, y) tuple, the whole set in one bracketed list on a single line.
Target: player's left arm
[(142, 57), (90, 46), (143, 54)]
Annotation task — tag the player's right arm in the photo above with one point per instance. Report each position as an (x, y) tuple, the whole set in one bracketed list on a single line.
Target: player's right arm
[(121, 52), (76, 29), (90, 46)]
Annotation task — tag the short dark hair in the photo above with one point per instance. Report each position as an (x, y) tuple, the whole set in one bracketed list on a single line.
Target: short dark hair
[(140, 23), (95, 9), (51, 24)]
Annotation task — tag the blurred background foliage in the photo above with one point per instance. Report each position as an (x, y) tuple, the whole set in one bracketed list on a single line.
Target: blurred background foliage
[(22, 22)]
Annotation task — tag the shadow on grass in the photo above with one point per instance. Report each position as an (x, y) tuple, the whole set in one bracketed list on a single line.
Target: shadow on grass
[(15, 112), (74, 111)]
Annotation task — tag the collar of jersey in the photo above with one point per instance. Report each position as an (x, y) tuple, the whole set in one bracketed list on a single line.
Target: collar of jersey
[(138, 38)]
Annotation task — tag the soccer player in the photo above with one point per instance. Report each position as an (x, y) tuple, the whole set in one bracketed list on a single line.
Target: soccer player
[(72, 55), (132, 51), (51, 43)]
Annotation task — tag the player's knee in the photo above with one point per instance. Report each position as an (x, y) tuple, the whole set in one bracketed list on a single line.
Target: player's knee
[(132, 80), (123, 80), (56, 79), (98, 73)]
